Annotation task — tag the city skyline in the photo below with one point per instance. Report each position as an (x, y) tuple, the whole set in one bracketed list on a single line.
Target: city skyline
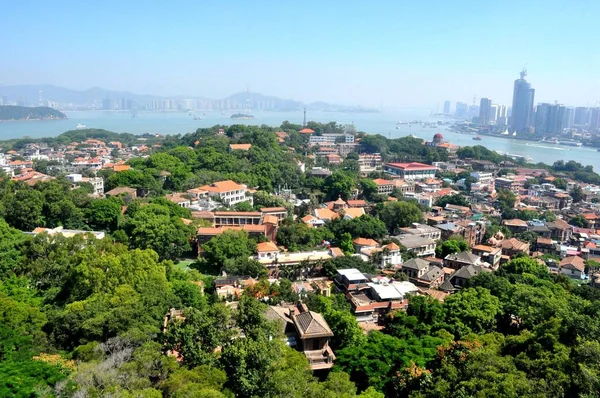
[(399, 55)]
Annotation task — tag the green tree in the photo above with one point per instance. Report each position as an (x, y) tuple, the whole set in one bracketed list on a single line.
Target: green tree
[(450, 246), (200, 332), (370, 190), (338, 184), (577, 194), (578, 221), (24, 209), (346, 244), (153, 228), (104, 214), (456, 199), (472, 310), (506, 198), (230, 245), (396, 215)]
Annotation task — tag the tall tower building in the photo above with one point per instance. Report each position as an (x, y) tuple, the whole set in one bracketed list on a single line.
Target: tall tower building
[(462, 110), (595, 121), (485, 111), (581, 116), (494, 113), (522, 106), (541, 119), (447, 107)]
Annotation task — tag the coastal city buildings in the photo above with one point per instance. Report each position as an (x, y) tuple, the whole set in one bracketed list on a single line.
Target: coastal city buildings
[(522, 105), (485, 112)]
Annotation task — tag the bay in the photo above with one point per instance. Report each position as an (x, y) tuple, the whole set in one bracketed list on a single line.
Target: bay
[(373, 123)]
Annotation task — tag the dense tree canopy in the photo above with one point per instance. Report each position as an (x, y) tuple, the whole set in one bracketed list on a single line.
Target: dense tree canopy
[(397, 215)]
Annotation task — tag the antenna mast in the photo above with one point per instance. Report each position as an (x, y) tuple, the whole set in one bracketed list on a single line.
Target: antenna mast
[(523, 73)]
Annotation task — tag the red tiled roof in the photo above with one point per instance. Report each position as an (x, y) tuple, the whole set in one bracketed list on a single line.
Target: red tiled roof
[(573, 262), (364, 242), (381, 181), (412, 166)]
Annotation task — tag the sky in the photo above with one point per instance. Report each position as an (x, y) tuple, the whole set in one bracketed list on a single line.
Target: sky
[(396, 53)]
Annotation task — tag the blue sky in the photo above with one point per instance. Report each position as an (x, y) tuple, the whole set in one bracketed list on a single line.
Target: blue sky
[(395, 53)]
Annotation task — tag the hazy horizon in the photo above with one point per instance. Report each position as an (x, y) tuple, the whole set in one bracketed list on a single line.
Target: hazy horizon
[(395, 55)]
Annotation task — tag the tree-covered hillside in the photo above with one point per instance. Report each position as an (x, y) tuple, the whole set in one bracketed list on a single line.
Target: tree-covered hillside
[(11, 112)]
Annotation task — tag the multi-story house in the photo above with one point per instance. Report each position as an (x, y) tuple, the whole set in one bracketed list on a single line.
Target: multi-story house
[(227, 192), (423, 231), (411, 171), (369, 163), (384, 187)]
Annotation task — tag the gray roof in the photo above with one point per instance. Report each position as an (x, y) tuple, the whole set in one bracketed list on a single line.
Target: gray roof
[(412, 241), (463, 257), (449, 226), (310, 324), (469, 271), (541, 228), (447, 286), (433, 274), (416, 263)]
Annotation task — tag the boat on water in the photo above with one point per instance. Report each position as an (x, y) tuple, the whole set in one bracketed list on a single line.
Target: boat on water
[(550, 141), (478, 138), (570, 143), (242, 116), (80, 127)]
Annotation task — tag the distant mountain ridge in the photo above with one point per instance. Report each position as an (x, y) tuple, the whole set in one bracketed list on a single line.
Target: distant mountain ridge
[(31, 94)]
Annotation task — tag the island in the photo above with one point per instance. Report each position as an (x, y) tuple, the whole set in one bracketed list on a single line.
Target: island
[(241, 116), (11, 112)]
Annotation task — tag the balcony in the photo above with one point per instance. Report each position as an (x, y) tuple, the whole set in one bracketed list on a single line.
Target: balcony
[(320, 359)]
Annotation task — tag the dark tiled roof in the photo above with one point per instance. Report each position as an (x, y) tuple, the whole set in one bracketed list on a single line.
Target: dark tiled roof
[(416, 263), (310, 324)]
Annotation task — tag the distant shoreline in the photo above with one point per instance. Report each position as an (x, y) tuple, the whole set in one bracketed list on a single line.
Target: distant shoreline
[(31, 120)]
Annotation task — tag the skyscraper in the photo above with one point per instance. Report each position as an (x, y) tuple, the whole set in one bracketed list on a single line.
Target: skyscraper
[(551, 119), (595, 122), (462, 110), (541, 118), (581, 116), (485, 110), (502, 115), (447, 107), (494, 113), (522, 106)]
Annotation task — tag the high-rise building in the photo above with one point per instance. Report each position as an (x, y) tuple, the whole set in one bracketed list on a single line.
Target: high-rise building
[(502, 115), (494, 113), (106, 104), (551, 119), (568, 118), (541, 118), (485, 110), (522, 106), (581, 116), (462, 110), (447, 107), (595, 120)]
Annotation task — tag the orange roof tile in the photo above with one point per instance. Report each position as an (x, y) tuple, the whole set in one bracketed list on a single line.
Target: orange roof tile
[(365, 242), (266, 247), (240, 147), (222, 186), (381, 181)]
